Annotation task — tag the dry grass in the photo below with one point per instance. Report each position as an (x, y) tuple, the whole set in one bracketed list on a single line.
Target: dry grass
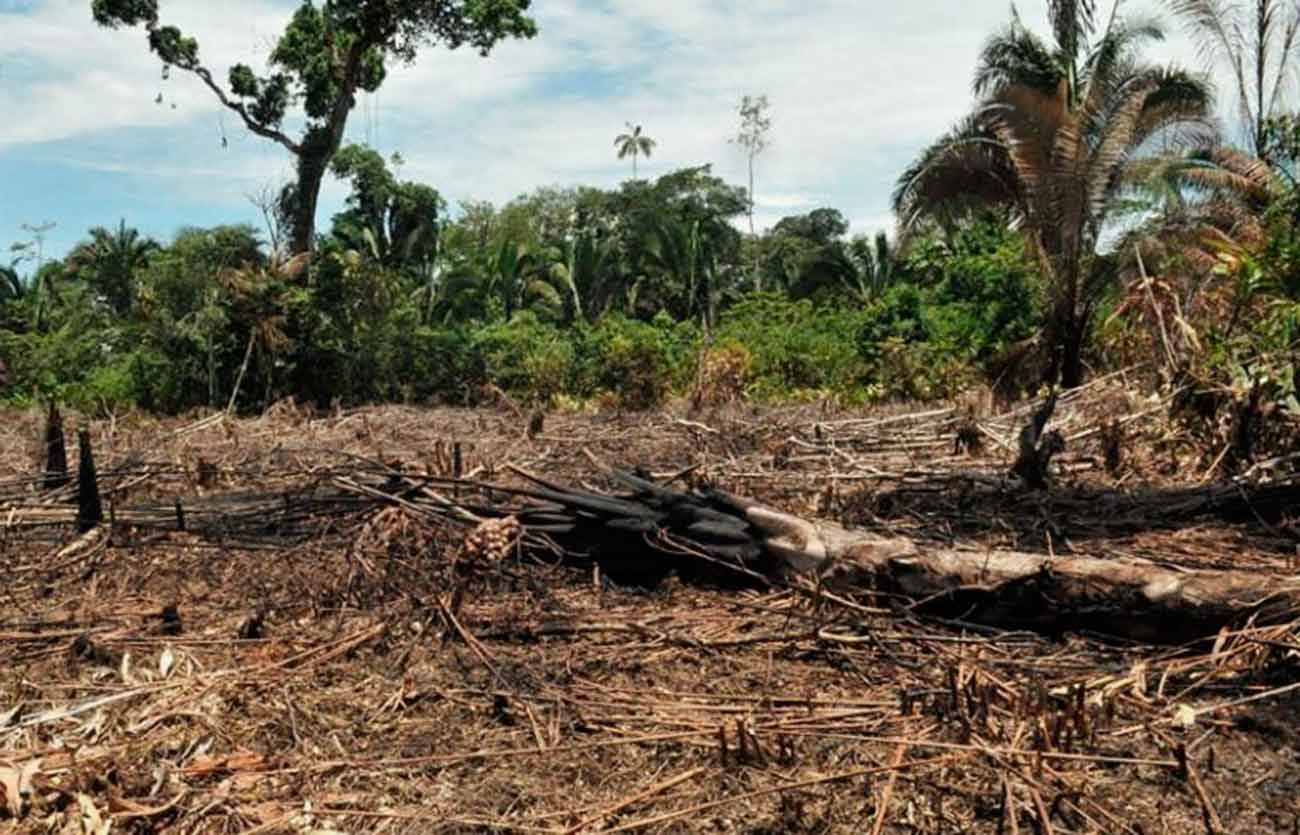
[(335, 682)]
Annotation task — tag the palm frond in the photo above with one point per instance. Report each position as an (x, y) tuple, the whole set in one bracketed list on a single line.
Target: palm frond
[(1179, 107), (1072, 22), (1016, 56), (968, 164)]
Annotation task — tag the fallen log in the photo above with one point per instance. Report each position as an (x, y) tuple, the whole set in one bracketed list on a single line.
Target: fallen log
[(1131, 599)]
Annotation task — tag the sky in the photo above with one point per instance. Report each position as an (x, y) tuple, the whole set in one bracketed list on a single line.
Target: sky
[(857, 89)]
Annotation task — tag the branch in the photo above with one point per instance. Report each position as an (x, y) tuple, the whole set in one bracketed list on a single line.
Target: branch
[(249, 122)]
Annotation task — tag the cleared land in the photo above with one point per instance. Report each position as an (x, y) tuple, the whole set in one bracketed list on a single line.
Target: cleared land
[(322, 674)]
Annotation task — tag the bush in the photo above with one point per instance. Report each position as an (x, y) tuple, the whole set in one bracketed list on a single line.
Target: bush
[(723, 376), (638, 363), (526, 356), (795, 346)]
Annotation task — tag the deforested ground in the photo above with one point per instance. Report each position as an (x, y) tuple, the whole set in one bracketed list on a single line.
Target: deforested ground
[(351, 668)]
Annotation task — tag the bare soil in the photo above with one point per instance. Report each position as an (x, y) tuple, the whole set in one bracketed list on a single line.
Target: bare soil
[(162, 681)]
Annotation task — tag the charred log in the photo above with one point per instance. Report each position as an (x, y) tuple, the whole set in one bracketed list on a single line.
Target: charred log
[(644, 534)]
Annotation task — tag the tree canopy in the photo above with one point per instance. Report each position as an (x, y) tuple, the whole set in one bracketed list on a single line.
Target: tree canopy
[(326, 54)]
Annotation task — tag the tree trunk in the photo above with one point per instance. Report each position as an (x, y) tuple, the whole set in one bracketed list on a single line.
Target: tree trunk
[(320, 145), (1072, 353), (1130, 599), (753, 241), (735, 539), (312, 164), (1065, 332)]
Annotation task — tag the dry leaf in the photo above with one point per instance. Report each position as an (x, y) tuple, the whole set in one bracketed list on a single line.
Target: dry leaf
[(92, 823), (10, 716), (122, 807), (17, 782)]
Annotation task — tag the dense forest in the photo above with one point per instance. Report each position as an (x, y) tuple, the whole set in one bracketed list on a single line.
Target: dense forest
[(1090, 213)]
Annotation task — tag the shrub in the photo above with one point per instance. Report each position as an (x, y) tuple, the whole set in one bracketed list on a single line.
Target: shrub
[(525, 356), (723, 376), (795, 345), (637, 362)]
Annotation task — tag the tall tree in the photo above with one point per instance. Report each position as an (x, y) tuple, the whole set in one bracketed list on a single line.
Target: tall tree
[(634, 143), (109, 262), (325, 55), (1056, 128), (754, 126), (1257, 42)]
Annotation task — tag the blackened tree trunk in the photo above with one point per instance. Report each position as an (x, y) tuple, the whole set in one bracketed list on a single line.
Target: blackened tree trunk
[(306, 196)]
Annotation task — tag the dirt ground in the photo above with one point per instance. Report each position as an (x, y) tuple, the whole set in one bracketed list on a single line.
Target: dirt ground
[(163, 681)]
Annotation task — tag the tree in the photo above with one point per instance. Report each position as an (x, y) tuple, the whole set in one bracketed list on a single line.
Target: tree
[(583, 269), (109, 262), (395, 223), (1057, 126), (325, 55), (11, 285), (865, 267), (500, 281), (633, 143), (754, 125), (1257, 41), (682, 249)]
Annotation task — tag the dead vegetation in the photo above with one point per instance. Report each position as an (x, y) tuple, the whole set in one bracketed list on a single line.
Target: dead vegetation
[(247, 648)]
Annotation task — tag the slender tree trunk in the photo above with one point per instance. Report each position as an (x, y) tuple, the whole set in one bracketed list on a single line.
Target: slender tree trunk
[(1064, 340), (753, 241)]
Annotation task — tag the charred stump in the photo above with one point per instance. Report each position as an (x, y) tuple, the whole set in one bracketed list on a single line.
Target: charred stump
[(90, 510), (1037, 447), (56, 451)]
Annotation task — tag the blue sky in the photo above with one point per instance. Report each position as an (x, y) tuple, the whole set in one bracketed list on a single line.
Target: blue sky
[(856, 88)]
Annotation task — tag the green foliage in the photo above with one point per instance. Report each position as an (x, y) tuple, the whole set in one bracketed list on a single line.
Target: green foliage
[(983, 289), (108, 264), (391, 222), (795, 345), (639, 362), (526, 356)]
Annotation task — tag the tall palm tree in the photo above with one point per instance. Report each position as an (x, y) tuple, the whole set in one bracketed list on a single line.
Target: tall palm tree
[(109, 261), (1257, 41), (633, 143), (1057, 126)]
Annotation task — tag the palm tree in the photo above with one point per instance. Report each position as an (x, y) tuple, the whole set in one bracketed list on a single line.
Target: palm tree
[(584, 268), (1057, 127), (634, 143), (683, 250), (109, 261), (510, 274), (1257, 42), (11, 285), (864, 268)]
